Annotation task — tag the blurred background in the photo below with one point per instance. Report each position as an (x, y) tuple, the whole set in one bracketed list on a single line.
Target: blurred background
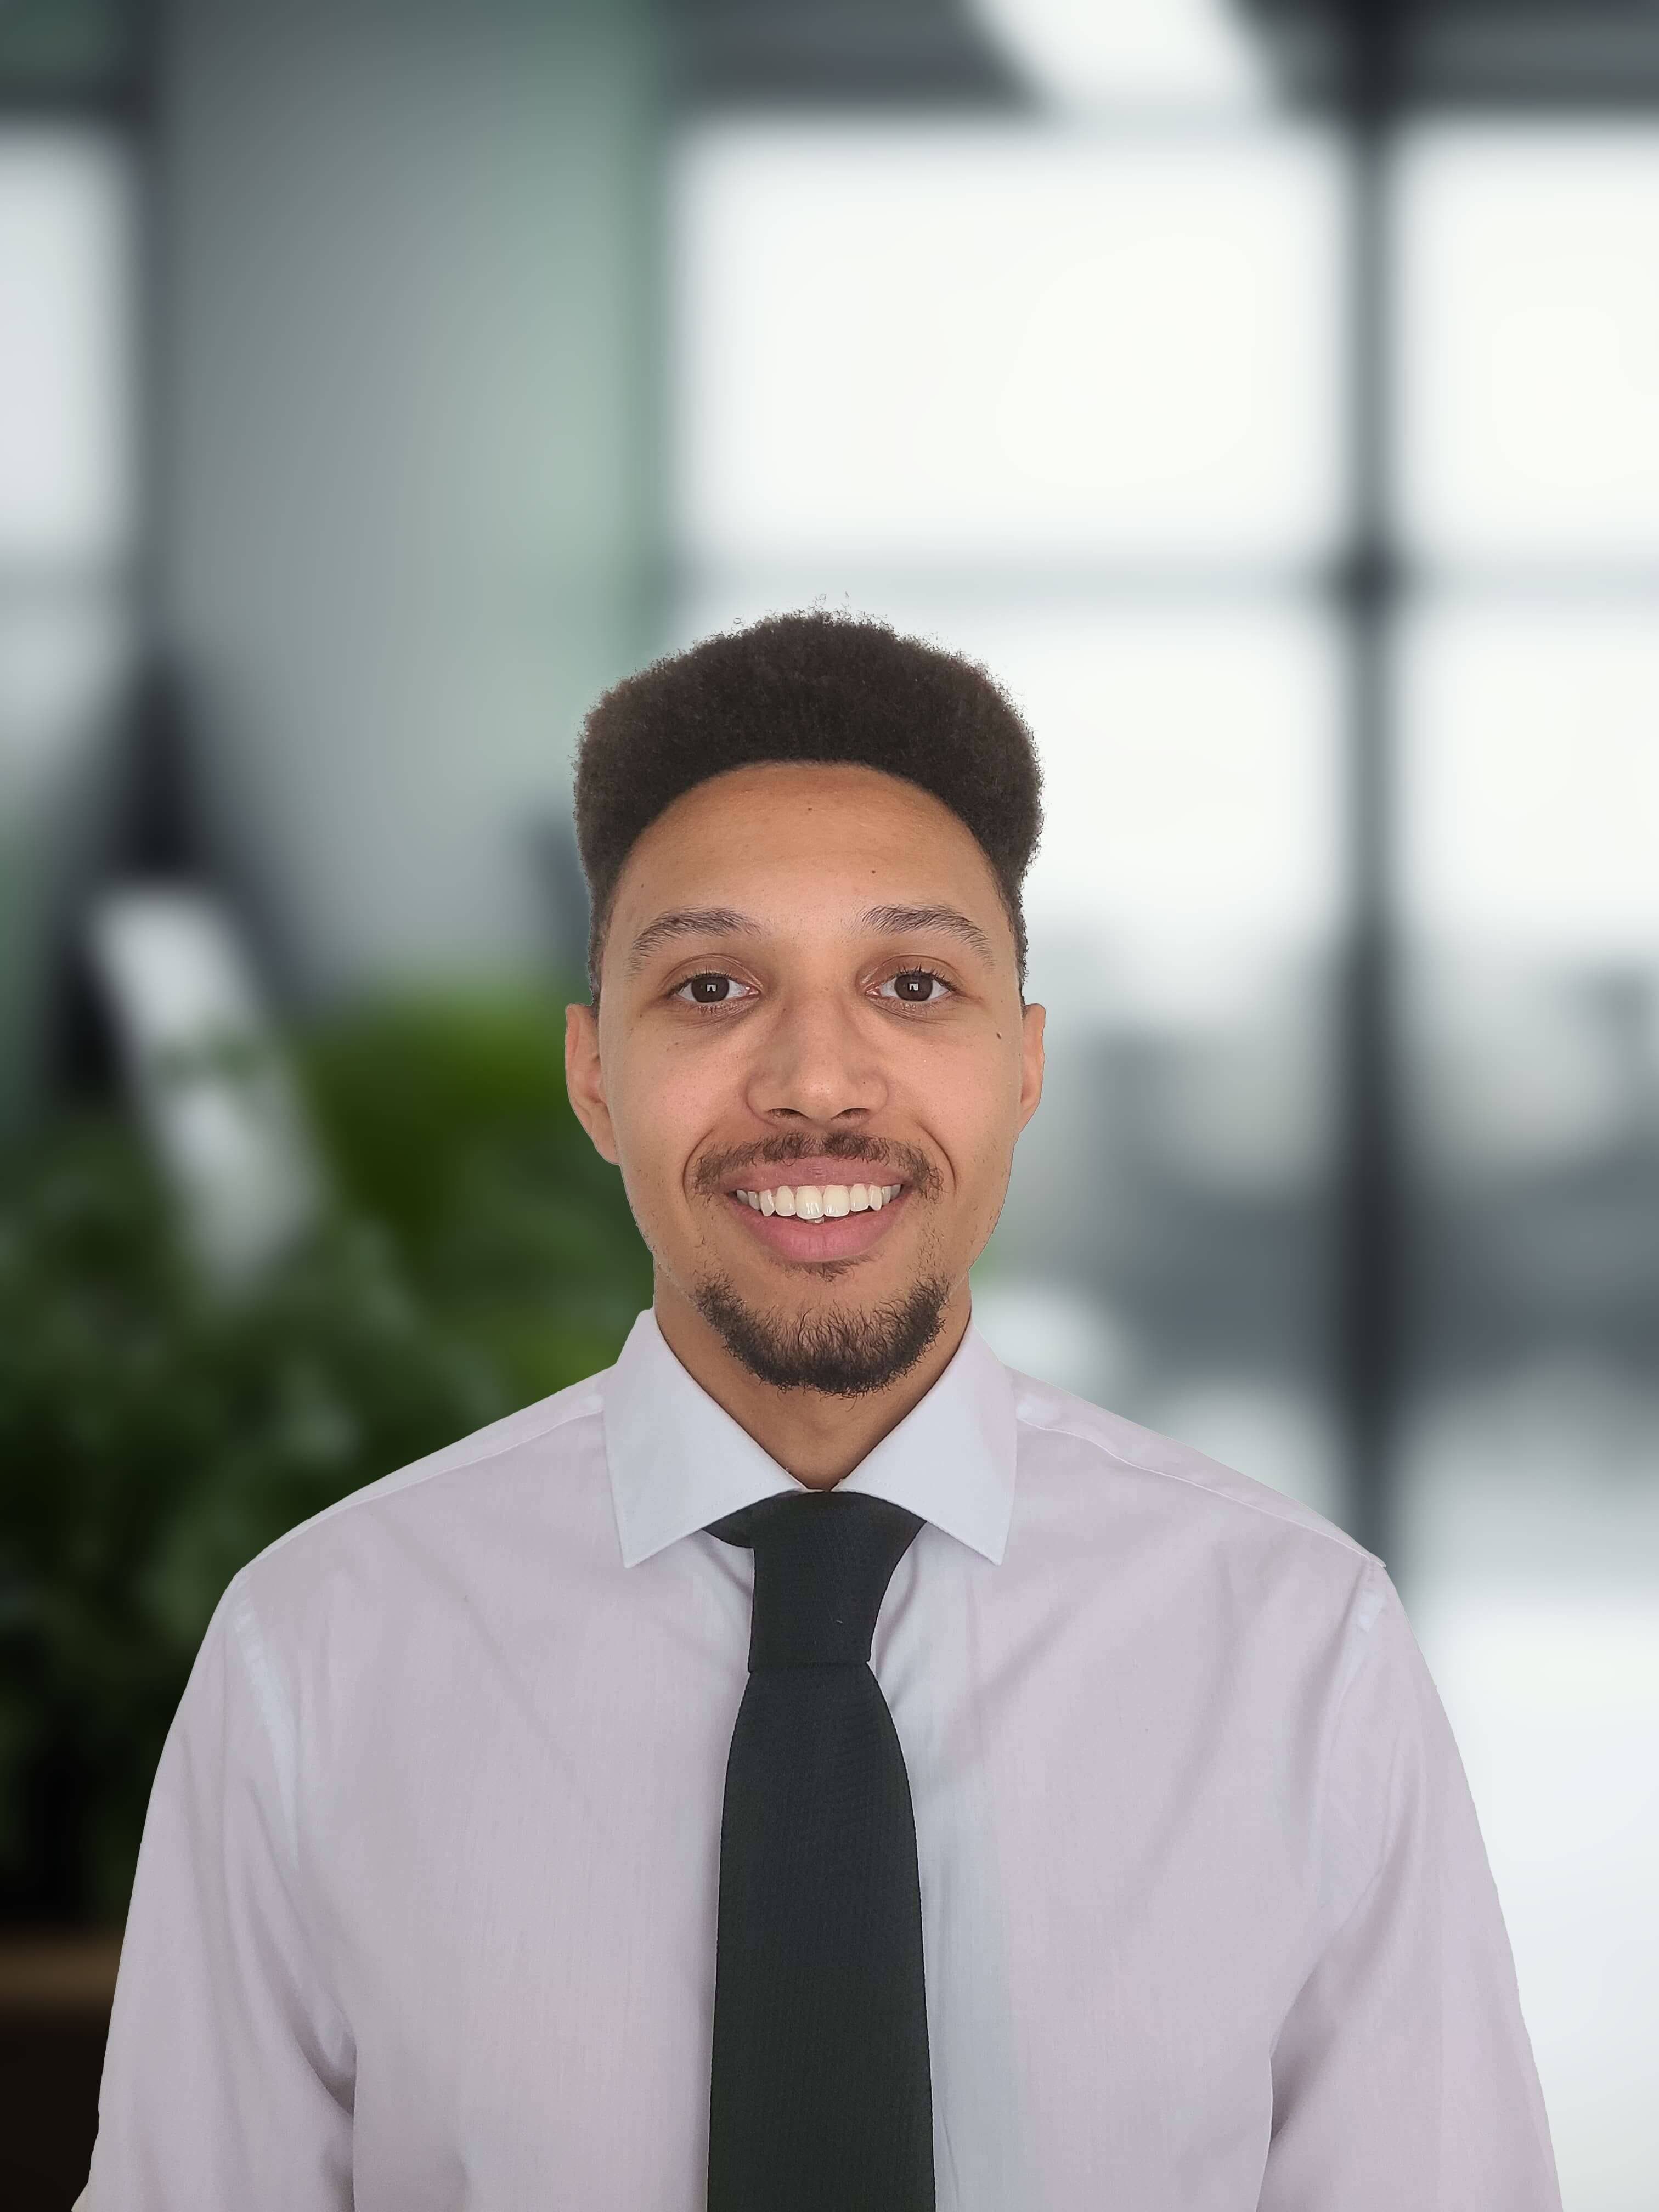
[(1266, 390)]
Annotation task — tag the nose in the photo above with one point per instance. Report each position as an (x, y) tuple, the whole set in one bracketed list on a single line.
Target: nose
[(817, 1061)]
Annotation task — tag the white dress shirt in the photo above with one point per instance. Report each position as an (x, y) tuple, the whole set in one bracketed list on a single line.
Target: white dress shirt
[(425, 1914)]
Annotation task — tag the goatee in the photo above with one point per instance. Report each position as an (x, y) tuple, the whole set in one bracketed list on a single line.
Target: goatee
[(845, 1352)]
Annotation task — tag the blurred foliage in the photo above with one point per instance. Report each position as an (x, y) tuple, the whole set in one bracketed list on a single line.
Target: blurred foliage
[(153, 1436), (448, 1122)]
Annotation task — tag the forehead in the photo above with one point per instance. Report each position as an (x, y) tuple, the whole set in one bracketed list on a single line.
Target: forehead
[(808, 823)]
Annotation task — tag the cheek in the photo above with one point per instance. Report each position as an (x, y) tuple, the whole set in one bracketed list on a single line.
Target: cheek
[(972, 1113), (976, 1090), (685, 1096), (663, 1110)]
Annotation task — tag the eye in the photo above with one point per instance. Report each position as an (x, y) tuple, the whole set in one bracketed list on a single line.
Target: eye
[(709, 990), (913, 986)]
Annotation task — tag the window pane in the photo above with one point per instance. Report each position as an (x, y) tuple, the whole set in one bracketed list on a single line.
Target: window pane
[(64, 368), (953, 345), (1530, 790), (1530, 342), (1191, 764), (1551, 1681), (1530, 897), (1529, 1509)]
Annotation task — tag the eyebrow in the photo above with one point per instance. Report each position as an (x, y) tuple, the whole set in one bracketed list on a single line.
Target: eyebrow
[(904, 921), (726, 921), (689, 922)]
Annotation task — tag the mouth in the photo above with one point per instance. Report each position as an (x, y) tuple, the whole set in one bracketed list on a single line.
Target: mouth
[(816, 1220)]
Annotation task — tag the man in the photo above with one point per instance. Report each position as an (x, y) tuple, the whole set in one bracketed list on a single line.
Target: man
[(808, 1764)]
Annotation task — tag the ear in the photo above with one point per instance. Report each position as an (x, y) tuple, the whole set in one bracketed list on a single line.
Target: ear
[(584, 1080), (1030, 1062)]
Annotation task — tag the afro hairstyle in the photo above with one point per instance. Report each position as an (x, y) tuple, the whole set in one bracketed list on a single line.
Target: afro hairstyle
[(811, 686)]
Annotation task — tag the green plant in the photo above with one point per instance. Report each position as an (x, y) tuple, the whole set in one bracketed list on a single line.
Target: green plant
[(153, 1436), (446, 1120)]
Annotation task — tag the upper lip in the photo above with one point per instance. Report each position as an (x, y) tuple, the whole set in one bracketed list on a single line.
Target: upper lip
[(815, 1170)]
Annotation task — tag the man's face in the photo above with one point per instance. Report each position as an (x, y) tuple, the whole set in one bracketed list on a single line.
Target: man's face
[(809, 986)]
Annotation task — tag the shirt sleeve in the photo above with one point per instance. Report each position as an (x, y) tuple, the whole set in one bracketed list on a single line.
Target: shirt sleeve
[(228, 2073), (1403, 2076)]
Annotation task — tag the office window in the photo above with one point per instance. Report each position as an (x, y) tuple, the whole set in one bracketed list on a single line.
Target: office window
[(951, 347), (1529, 345), (1528, 905), (65, 467)]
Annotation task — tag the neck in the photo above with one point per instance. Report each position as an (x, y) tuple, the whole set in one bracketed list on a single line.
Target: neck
[(817, 1437)]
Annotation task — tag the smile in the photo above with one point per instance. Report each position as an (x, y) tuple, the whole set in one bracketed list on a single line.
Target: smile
[(808, 1222), (812, 1201)]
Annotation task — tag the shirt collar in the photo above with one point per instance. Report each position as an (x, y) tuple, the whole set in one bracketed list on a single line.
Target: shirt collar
[(678, 1460)]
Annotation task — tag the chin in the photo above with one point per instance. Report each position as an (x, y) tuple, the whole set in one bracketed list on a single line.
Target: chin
[(849, 1349)]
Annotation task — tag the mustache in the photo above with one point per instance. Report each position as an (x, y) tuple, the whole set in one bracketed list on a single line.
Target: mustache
[(902, 1162)]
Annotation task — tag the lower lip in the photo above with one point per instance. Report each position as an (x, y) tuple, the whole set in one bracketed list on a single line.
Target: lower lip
[(842, 1237)]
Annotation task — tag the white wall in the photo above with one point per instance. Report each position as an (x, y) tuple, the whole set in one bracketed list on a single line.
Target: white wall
[(407, 381)]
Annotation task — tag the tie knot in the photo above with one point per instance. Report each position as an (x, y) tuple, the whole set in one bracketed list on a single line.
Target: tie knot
[(823, 1562)]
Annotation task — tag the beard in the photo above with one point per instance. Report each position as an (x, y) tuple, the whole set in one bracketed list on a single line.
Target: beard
[(844, 1352)]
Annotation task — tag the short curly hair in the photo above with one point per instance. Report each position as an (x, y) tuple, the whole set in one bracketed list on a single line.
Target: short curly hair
[(811, 686)]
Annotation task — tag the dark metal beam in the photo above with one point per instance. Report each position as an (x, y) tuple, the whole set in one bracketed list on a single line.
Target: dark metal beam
[(1372, 1177), (1488, 53)]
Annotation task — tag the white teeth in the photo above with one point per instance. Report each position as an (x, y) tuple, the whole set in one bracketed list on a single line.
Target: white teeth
[(817, 1202)]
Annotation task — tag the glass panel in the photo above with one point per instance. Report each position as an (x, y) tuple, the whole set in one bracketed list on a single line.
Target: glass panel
[(64, 365), (960, 345), (1529, 352), (1530, 791), (1531, 822), (1552, 1692), (1192, 787), (1529, 1507)]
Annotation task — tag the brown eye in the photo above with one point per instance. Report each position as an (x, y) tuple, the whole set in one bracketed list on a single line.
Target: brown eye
[(711, 990), (914, 986)]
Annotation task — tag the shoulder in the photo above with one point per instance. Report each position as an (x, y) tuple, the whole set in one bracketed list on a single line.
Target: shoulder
[(1197, 1551), (328, 1620), (375, 1525), (1100, 1490), (1065, 1437)]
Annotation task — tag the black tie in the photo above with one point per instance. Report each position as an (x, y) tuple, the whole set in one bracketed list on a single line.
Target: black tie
[(820, 2099)]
